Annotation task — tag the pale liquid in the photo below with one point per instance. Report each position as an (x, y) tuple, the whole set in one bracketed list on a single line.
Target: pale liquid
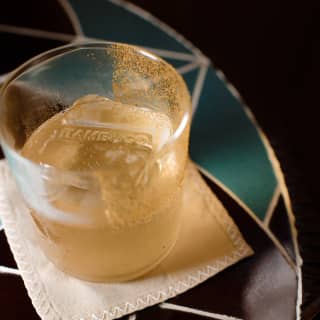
[(120, 178)]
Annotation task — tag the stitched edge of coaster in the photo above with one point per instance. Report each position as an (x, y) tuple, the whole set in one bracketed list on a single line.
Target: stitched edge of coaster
[(241, 250), (29, 274), (179, 287), (45, 308)]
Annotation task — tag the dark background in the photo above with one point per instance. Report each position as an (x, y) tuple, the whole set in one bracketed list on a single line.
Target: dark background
[(270, 51)]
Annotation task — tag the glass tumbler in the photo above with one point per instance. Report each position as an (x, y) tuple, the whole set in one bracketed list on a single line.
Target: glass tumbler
[(96, 137)]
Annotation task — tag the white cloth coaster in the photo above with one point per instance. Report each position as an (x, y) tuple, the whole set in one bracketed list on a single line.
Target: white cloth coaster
[(209, 242)]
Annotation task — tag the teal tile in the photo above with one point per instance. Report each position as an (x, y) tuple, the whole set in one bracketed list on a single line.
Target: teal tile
[(105, 20), (190, 78), (226, 143)]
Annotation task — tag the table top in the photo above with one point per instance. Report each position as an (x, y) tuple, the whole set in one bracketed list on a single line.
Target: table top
[(242, 169)]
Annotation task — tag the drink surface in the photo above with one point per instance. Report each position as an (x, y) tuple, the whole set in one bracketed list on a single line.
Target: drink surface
[(110, 163)]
